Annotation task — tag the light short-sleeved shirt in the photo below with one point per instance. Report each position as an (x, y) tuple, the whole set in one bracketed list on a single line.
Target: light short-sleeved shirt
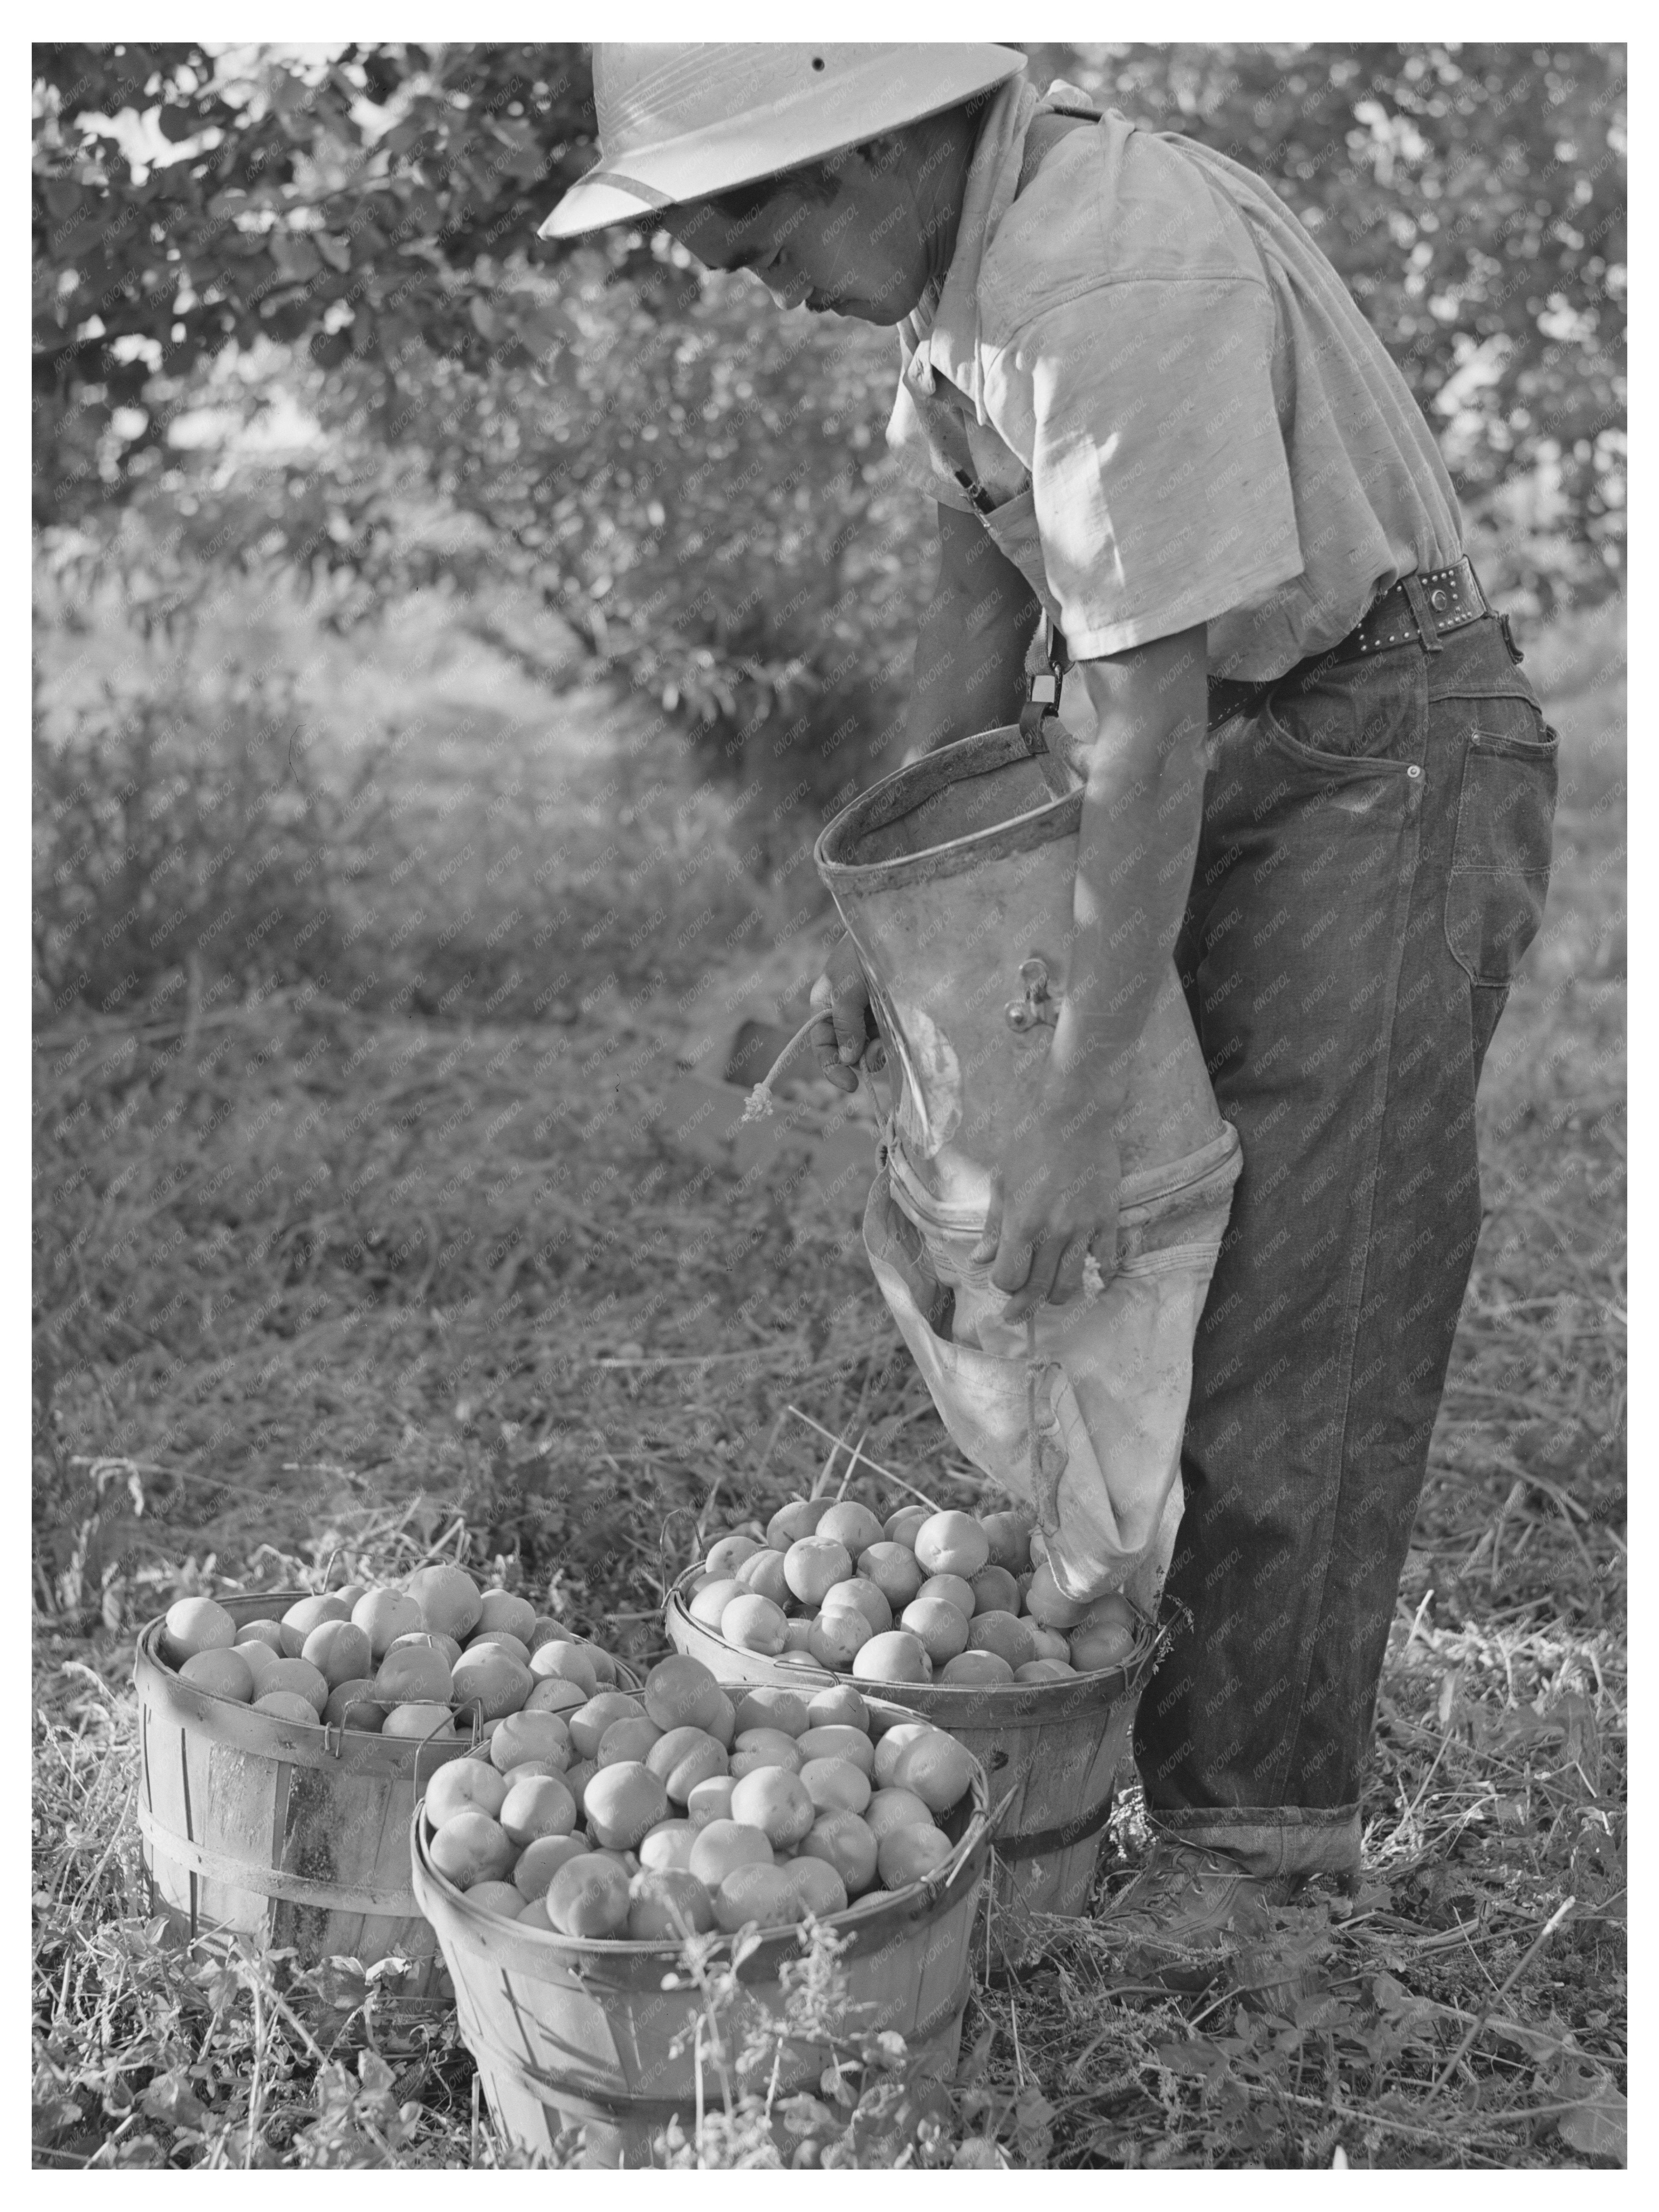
[(1160, 398)]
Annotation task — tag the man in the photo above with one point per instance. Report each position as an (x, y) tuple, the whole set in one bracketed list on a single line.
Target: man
[(1147, 408)]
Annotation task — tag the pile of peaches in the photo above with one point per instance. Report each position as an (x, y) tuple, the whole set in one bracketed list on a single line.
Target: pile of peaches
[(925, 1596)]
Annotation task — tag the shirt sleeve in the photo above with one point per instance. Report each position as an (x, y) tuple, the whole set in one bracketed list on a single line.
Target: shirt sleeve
[(1144, 410)]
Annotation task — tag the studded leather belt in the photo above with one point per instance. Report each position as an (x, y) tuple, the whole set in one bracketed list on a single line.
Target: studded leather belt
[(1417, 611)]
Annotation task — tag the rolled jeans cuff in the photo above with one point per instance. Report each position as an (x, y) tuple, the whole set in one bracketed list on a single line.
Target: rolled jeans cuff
[(1272, 1842)]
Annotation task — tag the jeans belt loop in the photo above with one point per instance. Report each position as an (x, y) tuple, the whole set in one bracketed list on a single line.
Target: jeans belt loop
[(1422, 614)]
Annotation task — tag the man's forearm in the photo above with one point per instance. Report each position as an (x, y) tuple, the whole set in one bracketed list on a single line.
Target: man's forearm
[(1143, 765)]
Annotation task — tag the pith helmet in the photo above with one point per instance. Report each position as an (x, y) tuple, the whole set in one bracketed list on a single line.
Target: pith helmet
[(681, 123)]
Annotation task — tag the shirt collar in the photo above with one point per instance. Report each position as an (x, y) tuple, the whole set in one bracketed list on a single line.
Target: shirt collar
[(942, 339)]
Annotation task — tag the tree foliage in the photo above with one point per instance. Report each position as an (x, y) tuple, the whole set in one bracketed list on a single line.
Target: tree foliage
[(695, 484)]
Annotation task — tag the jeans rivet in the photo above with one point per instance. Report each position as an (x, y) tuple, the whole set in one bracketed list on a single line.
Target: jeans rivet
[(1413, 771)]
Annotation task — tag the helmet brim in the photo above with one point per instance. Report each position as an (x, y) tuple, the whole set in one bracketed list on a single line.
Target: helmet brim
[(873, 96)]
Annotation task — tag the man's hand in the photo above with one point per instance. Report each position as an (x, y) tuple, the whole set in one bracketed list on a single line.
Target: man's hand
[(1047, 1216), (847, 1028)]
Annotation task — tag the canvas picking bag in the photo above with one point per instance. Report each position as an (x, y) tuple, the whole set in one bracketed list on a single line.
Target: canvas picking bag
[(954, 877)]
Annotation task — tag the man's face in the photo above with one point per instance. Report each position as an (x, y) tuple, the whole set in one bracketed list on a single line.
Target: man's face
[(861, 252)]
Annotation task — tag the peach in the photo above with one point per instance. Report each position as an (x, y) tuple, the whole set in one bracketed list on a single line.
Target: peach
[(546, 1629), (355, 1705), (835, 1785), (952, 1544), (1095, 1645), (221, 1672), (835, 1638), (529, 1735), (726, 1556), (669, 1845), (996, 1590), (565, 1662), (906, 1855), (604, 1666), (860, 1592), (724, 1845), (814, 1565), (666, 1905), (461, 1783), (539, 1807), (712, 1600), (1049, 1644), (724, 1725), (798, 1518), (762, 1574), (1009, 1535), (500, 1639), (681, 1693), (819, 1887), (492, 1680), (286, 1705), (340, 1650), (450, 1601), (622, 1803), (894, 1571), (422, 1720), (1047, 1604), (976, 1670), (893, 1744), (798, 1637), (425, 1639), (629, 1739), (841, 1706), (710, 1800), (577, 1777), (762, 1746), (952, 1589), (470, 1846), (774, 1802), (1045, 1670), (502, 1609), (553, 1695), (588, 1724), (305, 1615), (268, 1632), (588, 1896), (895, 1807), (1004, 1633), (412, 1673), (837, 1740), (497, 1897), (852, 1525), (300, 1676), (766, 1707), (535, 1916), (383, 1615), (681, 1759), (756, 1896), (527, 1768), (936, 1768), (901, 1527), (842, 1841), (753, 1624), (538, 1861), (898, 1656), (943, 1631)]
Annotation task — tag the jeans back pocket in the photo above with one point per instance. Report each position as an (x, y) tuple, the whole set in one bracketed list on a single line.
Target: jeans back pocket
[(1500, 865)]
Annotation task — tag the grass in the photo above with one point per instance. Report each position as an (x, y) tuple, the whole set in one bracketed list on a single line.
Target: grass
[(322, 1280)]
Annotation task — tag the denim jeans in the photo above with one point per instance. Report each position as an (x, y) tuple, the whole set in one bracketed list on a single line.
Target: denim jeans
[(1373, 862)]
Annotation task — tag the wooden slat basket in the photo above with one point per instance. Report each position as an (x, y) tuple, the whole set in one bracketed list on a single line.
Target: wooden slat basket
[(1057, 1746), (583, 2035), (296, 1835)]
